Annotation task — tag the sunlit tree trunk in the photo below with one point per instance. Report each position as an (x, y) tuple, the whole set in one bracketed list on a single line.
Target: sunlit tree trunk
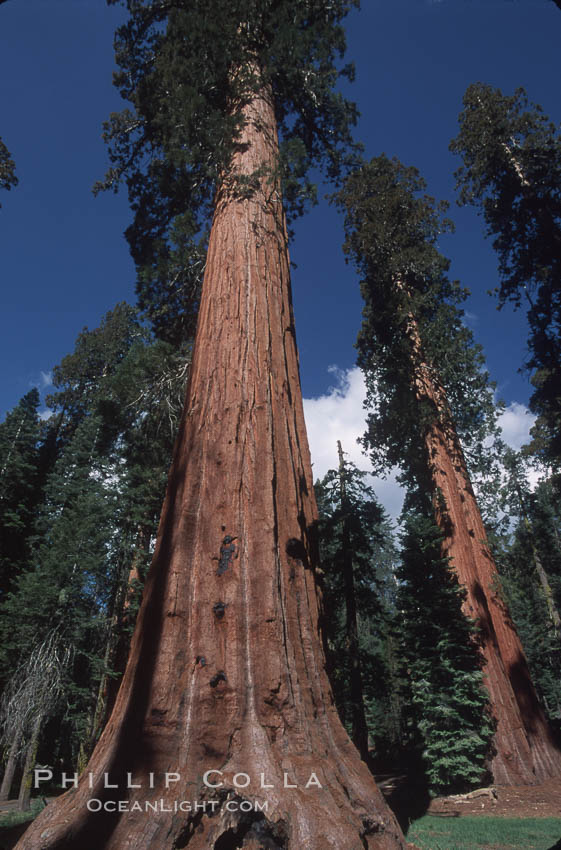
[(525, 752), (226, 669)]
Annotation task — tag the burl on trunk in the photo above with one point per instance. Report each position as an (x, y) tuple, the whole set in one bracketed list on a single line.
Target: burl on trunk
[(226, 671)]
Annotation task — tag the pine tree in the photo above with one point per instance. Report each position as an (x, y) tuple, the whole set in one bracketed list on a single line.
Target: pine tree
[(511, 173), (115, 411), (431, 400), (19, 486), (226, 670), (446, 705), (67, 583), (355, 543)]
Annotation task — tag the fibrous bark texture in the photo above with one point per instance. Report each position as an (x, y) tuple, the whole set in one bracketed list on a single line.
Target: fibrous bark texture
[(525, 751), (226, 670)]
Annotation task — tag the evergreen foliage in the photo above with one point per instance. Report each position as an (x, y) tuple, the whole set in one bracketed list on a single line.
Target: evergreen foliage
[(67, 585), (445, 705), (8, 177), (185, 67), (511, 173), (529, 558), (392, 228), (19, 486), (358, 525), (116, 407)]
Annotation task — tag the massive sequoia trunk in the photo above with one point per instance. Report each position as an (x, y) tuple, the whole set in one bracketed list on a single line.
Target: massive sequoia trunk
[(525, 752), (226, 670)]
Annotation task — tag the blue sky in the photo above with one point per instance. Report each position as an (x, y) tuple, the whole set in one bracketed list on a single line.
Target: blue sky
[(64, 261)]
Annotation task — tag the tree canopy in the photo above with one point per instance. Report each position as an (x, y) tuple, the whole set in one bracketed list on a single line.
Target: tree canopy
[(184, 66), (391, 228), (511, 173)]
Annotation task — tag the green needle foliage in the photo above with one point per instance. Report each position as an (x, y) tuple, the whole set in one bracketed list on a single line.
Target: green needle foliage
[(529, 559), (511, 173), (392, 227), (185, 67), (19, 486), (445, 706), (8, 177), (115, 410), (356, 533)]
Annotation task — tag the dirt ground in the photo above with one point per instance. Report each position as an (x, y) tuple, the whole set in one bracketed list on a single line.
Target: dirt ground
[(525, 801)]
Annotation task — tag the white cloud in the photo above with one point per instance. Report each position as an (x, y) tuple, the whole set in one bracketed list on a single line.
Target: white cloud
[(515, 423), (45, 414), (340, 415), (46, 379)]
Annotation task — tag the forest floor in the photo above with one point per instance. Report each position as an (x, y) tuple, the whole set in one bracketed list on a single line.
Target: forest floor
[(524, 801), (495, 818)]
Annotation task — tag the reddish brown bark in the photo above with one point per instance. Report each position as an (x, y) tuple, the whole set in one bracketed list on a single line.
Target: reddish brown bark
[(226, 670), (525, 752)]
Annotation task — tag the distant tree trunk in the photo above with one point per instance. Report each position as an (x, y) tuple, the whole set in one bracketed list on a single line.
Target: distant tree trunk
[(116, 649), (9, 771), (547, 591), (121, 646), (226, 669), (24, 799), (542, 574), (358, 718), (525, 752)]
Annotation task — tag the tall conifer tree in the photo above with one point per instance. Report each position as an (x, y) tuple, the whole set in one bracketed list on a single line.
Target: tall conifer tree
[(19, 484), (226, 670), (445, 715), (426, 386), (511, 173)]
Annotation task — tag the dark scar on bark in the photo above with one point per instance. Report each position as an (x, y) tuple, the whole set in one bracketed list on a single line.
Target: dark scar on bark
[(220, 677), (296, 549), (228, 553), (200, 659), (219, 610)]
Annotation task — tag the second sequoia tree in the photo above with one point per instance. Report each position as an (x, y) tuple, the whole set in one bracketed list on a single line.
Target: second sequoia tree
[(427, 387), (226, 672)]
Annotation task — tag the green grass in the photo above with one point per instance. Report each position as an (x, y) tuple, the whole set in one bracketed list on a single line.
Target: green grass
[(484, 833), (8, 819)]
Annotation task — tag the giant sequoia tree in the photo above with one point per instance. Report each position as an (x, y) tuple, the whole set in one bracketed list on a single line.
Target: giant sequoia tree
[(427, 387), (226, 670), (511, 173)]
